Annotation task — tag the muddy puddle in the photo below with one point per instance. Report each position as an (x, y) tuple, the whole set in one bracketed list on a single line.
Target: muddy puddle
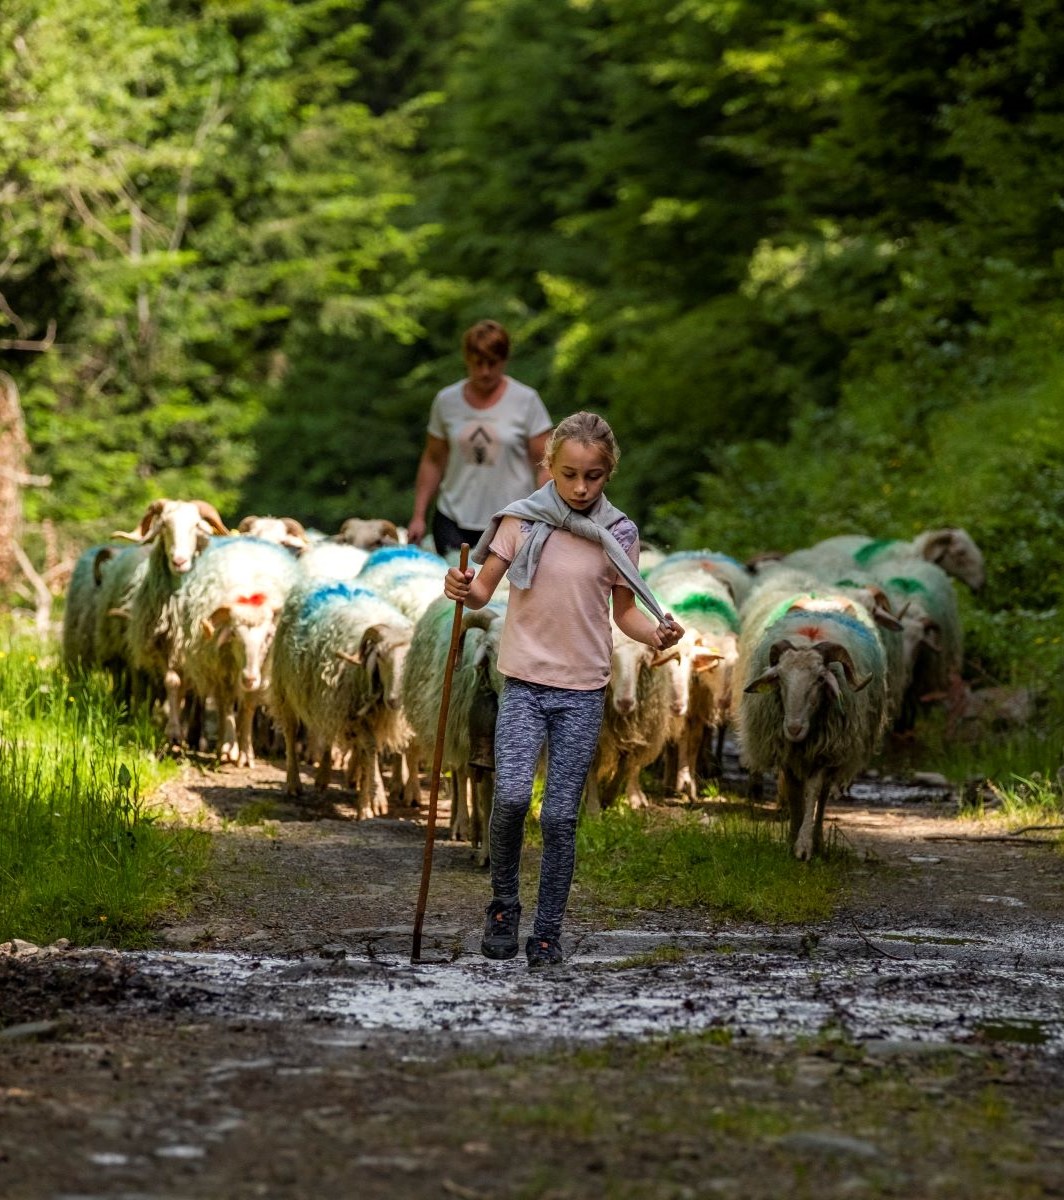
[(885, 988)]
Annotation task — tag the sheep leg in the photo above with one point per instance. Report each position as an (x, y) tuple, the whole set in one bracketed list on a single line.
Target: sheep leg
[(812, 790), (411, 782), (380, 795), (460, 818), (789, 795), (323, 775), (686, 759), (821, 804), (245, 741), (293, 784), (174, 691), (637, 798), (483, 787), (228, 750), (368, 779)]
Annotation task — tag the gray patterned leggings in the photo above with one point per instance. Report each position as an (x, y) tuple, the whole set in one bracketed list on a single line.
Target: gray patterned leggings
[(569, 722)]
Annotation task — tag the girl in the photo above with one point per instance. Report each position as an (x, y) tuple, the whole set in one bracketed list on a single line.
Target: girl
[(567, 552)]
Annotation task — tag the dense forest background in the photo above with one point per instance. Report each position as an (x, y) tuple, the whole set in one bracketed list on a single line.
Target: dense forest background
[(807, 258)]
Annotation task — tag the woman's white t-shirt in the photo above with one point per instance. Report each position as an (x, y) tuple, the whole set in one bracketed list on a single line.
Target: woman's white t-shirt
[(487, 465)]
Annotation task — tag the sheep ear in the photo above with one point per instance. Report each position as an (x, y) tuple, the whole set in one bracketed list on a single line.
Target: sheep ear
[(930, 636), (218, 619), (246, 523), (768, 682), (706, 660), (936, 548)]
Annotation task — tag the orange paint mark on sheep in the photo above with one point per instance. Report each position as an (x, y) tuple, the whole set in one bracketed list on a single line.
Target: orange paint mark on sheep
[(255, 599), (814, 632)]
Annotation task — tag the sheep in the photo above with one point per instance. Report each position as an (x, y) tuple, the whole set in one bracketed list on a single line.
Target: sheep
[(80, 611), (951, 549), (694, 592), (842, 586), (390, 561), (338, 665), (368, 534), (738, 579), (813, 706), (229, 609), (120, 577), (325, 560), (179, 530), (283, 531), (934, 638), (635, 724), (468, 749)]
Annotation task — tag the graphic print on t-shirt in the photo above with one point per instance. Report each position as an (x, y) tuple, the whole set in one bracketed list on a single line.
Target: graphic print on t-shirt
[(478, 442)]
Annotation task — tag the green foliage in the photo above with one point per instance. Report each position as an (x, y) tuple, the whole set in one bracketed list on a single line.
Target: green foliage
[(80, 857), (732, 864)]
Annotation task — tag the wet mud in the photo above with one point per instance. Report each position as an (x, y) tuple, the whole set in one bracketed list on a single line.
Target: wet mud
[(281, 1042)]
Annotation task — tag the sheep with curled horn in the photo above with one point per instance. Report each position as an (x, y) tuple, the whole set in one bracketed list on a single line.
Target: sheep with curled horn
[(813, 707), (468, 749), (176, 530), (338, 664)]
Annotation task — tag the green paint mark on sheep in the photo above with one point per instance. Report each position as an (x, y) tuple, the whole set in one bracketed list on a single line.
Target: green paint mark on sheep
[(868, 554), (910, 587), (711, 605)]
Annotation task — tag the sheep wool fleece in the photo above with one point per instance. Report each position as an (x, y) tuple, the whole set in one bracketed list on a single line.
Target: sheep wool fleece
[(569, 722)]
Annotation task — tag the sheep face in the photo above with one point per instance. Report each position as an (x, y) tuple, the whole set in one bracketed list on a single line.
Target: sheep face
[(629, 659), (806, 677), (957, 554), (183, 528), (248, 628), (383, 654)]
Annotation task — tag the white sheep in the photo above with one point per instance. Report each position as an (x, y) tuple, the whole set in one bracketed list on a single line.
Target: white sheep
[(695, 593), (283, 531), (229, 609), (177, 531), (337, 667), (953, 550), (324, 560), (813, 706), (636, 722), (120, 577)]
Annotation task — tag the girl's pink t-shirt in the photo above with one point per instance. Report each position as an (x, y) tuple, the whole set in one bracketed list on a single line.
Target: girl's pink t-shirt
[(557, 631)]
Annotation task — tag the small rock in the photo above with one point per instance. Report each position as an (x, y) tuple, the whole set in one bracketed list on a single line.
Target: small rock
[(930, 779), (17, 948), (28, 1029), (829, 1143), (333, 951)]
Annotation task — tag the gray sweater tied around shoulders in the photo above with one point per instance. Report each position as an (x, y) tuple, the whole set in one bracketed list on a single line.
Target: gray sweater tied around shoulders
[(548, 511)]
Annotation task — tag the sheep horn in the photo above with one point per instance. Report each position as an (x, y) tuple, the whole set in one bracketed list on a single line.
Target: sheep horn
[(885, 619), (294, 528), (832, 652), (210, 514), (141, 534), (246, 523), (122, 613), (778, 648), (351, 658), (664, 656)]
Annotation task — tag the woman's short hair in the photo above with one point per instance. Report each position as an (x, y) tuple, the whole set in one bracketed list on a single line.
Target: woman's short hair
[(589, 429), (488, 339)]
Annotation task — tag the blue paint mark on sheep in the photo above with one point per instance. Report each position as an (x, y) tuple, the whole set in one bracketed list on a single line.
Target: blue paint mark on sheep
[(391, 553), (328, 593)]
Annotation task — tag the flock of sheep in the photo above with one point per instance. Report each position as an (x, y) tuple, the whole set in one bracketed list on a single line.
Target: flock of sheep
[(343, 641)]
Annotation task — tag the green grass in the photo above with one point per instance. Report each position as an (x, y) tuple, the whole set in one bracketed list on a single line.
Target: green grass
[(80, 857), (735, 864)]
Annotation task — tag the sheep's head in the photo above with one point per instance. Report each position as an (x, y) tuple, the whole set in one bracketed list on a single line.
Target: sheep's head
[(804, 678), (955, 551), (248, 626), (282, 531), (382, 655), (368, 534), (182, 526)]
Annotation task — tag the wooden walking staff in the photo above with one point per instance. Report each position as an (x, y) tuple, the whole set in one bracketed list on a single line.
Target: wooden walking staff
[(437, 760)]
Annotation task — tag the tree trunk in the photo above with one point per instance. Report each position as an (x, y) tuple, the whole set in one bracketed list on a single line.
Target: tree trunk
[(14, 450)]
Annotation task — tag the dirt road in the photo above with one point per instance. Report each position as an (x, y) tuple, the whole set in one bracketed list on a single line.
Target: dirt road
[(280, 1044)]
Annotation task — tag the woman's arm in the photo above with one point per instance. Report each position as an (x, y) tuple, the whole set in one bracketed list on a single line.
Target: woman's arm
[(537, 447), (475, 593), (427, 483), (638, 625)]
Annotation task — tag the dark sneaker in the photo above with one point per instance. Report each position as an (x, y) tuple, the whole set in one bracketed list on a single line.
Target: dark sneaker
[(500, 930), (543, 952)]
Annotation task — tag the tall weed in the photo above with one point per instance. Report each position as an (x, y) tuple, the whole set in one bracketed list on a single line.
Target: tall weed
[(80, 857)]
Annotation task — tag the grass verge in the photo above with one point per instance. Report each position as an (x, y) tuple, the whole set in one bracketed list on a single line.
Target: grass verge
[(80, 857), (735, 864)]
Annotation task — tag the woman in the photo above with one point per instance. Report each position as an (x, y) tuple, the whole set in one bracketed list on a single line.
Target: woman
[(485, 444)]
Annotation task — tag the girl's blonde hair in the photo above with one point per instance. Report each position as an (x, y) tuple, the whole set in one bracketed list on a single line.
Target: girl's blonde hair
[(589, 429)]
